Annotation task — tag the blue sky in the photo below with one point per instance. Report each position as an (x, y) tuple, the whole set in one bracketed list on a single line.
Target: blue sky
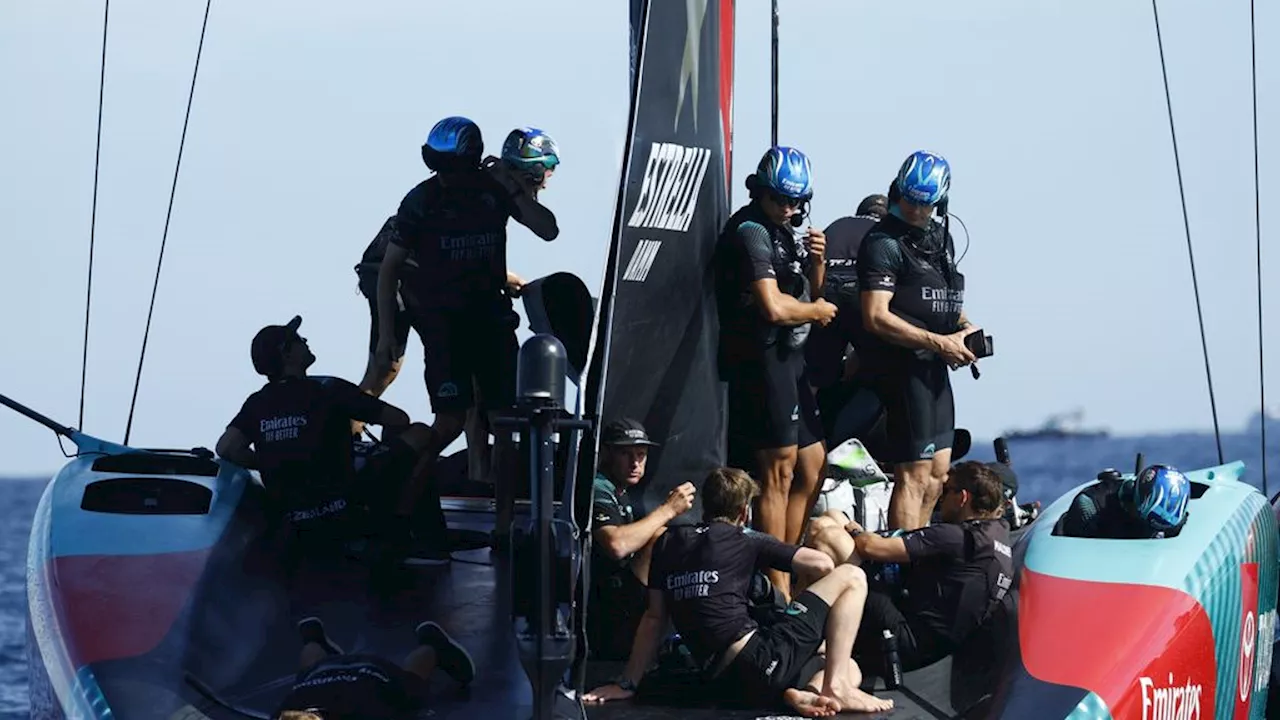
[(305, 135)]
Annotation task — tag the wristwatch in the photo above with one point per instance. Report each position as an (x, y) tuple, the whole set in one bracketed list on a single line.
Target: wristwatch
[(625, 684)]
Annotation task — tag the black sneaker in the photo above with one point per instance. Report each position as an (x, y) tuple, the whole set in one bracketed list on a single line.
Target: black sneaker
[(428, 557), (311, 630), (452, 657)]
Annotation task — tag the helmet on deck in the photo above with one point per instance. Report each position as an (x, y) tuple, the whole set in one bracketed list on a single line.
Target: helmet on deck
[(785, 171), (530, 151), (1158, 497), (454, 144), (924, 179)]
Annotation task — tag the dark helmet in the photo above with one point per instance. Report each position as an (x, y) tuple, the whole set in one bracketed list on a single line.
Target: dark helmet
[(531, 152), (454, 144), (786, 172)]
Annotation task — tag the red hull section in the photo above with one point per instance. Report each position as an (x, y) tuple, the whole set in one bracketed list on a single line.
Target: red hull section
[(118, 606), (1147, 651)]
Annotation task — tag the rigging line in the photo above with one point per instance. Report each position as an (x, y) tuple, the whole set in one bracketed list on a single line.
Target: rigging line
[(773, 119), (1186, 223), (168, 215), (1257, 217), (93, 213)]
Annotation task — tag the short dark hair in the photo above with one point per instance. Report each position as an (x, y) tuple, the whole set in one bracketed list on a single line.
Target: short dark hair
[(726, 492), (986, 491)]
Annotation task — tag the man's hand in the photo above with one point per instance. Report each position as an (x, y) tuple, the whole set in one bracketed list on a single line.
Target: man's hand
[(515, 284), (605, 693), (816, 241), (951, 347), (680, 499), (826, 311), (852, 527)]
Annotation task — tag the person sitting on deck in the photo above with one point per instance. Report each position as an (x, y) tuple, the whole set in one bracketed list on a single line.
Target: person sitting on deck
[(622, 546), (699, 579), (296, 430), (1151, 505), (332, 685), (932, 586)]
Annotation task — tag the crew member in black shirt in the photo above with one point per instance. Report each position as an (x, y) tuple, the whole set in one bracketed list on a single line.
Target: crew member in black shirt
[(296, 431), (952, 574), (845, 405), (699, 579), (455, 225), (331, 684), (765, 278), (913, 315)]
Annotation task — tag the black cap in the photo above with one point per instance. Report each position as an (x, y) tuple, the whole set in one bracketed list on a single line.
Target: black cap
[(1008, 478), (625, 432), (870, 202), (267, 349)]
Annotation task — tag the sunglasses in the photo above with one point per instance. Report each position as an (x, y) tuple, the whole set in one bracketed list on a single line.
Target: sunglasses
[(785, 201)]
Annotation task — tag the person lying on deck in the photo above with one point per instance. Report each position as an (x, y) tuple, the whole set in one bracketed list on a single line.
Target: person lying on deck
[(933, 586), (699, 579), (296, 430), (332, 685), (1151, 505), (622, 546)]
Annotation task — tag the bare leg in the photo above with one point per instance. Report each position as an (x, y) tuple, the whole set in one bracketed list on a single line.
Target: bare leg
[(845, 590), (422, 661), (804, 489), (776, 468), (478, 455), (827, 535), (375, 383), (911, 483), (937, 476)]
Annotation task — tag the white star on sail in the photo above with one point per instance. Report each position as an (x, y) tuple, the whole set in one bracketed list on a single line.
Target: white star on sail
[(696, 12)]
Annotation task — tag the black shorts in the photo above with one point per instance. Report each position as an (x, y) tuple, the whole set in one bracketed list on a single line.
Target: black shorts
[(920, 410), (770, 403), (780, 656), (369, 288), (386, 469), (357, 685), (880, 614), (617, 604), (333, 516), (467, 351)]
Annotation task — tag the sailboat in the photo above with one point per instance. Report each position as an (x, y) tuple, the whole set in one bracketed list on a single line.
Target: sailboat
[(154, 592)]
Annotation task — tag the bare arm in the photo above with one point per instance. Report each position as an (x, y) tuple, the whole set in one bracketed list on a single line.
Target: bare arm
[(871, 546), (622, 540), (879, 319), (780, 308), (234, 446), (388, 286), (648, 638)]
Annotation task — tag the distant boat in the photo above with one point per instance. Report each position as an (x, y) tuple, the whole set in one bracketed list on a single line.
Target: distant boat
[(1059, 427), (1254, 425)]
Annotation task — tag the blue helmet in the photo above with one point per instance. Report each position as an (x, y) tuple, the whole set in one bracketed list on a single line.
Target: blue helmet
[(924, 178), (453, 144), (1158, 497), (787, 172), (531, 151)]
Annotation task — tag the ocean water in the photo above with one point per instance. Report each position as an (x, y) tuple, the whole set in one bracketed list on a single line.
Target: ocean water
[(1045, 469)]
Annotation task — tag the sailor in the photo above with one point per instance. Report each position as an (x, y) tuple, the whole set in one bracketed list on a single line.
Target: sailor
[(699, 580), (765, 281), (331, 684), (455, 224), (296, 430), (1149, 506), (914, 329), (934, 586), (622, 545), (846, 406)]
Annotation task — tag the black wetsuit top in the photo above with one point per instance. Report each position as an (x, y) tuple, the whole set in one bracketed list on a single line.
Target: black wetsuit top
[(704, 572), (918, 266), (824, 352), (356, 687), (956, 573), (752, 248), (301, 432), (1096, 512), (458, 232)]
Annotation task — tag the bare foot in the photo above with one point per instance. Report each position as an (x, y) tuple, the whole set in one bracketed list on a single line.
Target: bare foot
[(810, 704), (856, 700)]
